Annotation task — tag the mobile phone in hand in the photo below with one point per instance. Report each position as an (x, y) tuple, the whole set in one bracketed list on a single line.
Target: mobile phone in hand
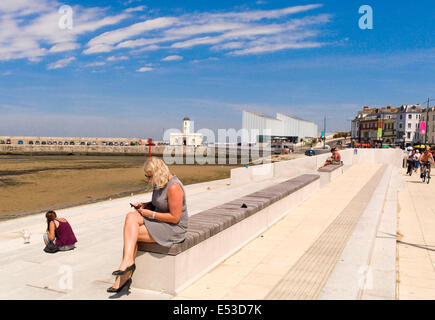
[(131, 204)]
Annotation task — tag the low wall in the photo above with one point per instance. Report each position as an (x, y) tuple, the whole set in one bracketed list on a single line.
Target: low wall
[(299, 166), (78, 149), (173, 273)]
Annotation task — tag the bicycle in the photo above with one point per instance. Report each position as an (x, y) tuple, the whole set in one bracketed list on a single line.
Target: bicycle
[(425, 176)]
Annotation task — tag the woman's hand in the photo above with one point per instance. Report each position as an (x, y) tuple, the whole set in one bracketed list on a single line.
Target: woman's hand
[(137, 205), (145, 213)]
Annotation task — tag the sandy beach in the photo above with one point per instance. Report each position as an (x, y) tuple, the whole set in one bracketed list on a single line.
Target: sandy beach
[(38, 183)]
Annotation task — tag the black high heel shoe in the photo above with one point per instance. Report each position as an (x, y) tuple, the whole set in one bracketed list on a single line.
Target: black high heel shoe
[(126, 284), (122, 272)]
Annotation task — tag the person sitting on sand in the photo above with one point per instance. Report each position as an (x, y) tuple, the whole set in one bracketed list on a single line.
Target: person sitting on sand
[(163, 220), (334, 159), (59, 232)]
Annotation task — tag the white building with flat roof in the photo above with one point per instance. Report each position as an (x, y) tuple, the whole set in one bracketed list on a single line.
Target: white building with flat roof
[(187, 138), (258, 127)]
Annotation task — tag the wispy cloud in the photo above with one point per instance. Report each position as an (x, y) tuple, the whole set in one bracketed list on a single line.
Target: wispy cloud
[(30, 30), (144, 69), (117, 58), (96, 64), (135, 9), (29, 27), (249, 31), (173, 58), (61, 47), (105, 41), (62, 63), (205, 60)]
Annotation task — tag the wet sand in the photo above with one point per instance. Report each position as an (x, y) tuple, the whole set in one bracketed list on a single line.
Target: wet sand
[(39, 183)]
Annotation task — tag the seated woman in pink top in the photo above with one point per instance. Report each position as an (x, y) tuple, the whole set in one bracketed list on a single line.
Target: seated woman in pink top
[(334, 159), (59, 232)]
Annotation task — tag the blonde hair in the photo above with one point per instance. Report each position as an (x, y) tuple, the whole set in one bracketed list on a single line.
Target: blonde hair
[(160, 171)]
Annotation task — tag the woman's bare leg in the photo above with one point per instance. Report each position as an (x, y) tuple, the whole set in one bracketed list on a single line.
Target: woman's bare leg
[(134, 231)]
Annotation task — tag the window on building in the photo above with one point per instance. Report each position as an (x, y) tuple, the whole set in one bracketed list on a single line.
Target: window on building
[(409, 116), (409, 126), (401, 117), (400, 125), (408, 134)]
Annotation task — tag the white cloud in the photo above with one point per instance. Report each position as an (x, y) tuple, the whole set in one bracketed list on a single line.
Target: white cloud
[(197, 41), (62, 63), (210, 27), (216, 29), (144, 69), (228, 46), (28, 28), (118, 58), (204, 60), (96, 64), (276, 47), (173, 58), (109, 38), (266, 14), (135, 9), (147, 48), (67, 46)]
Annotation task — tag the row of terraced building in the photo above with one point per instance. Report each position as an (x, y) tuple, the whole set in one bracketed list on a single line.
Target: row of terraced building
[(399, 126)]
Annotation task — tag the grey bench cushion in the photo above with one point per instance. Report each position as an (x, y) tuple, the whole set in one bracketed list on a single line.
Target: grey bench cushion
[(330, 168), (208, 223)]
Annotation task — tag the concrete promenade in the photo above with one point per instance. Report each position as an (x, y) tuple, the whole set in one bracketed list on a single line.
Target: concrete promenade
[(338, 244), (416, 239)]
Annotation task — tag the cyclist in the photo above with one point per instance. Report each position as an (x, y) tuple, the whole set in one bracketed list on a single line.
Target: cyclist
[(425, 160)]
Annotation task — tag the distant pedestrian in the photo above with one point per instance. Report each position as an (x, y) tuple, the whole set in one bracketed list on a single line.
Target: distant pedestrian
[(416, 160), (59, 235), (410, 161)]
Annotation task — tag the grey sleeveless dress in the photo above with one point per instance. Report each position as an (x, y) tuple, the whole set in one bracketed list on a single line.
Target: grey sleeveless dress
[(166, 233)]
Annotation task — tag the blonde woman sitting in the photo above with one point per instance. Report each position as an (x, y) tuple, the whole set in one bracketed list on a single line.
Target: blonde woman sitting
[(163, 220)]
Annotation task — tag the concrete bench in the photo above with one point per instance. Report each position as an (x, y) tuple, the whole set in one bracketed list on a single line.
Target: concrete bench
[(329, 173), (216, 233)]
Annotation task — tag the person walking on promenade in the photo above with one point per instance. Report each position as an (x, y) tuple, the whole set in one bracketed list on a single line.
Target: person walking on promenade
[(416, 160), (163, 220), (410, 161), (59, 235), (334, 159)]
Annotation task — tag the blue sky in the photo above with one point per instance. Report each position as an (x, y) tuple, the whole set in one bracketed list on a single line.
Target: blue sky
[(131, 68)]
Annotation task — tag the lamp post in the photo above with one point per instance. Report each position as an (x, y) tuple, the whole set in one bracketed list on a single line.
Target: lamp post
[(324, 130), (427, 122)]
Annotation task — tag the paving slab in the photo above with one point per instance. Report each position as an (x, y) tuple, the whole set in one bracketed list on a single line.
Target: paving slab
[(281, 246), (416, 240)]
